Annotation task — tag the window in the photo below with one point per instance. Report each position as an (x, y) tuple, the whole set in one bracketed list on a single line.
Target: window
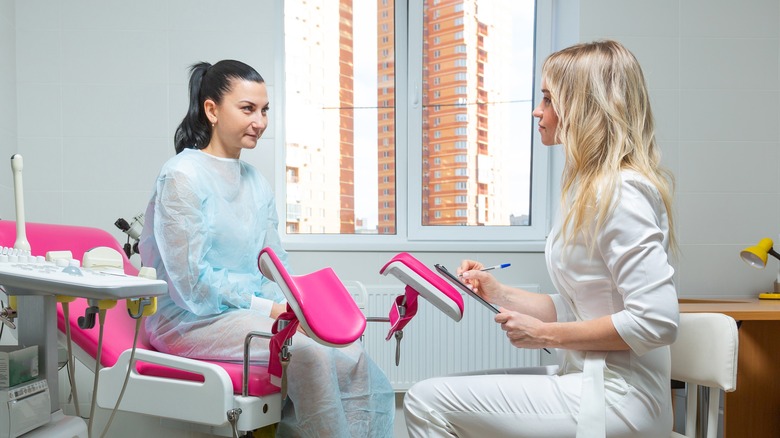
[(360, 136)]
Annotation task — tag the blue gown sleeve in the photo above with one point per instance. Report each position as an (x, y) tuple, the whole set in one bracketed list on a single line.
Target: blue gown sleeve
[(183, 236), (273, 240)]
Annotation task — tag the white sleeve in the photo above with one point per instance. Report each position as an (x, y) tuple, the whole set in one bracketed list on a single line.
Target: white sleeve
[(633, 244), (562, 308)]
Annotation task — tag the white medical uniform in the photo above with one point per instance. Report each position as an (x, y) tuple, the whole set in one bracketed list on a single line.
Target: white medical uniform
[(622, 393), (205, 225)]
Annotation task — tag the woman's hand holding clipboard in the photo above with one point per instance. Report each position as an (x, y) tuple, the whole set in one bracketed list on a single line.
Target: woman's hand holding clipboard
[(465, 288)]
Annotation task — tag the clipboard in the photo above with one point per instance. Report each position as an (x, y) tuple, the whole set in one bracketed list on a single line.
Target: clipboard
[(452, 278)]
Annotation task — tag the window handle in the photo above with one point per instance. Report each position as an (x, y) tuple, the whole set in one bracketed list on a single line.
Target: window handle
[(416, 96)]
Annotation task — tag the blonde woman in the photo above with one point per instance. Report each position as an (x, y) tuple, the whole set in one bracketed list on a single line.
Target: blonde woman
[(616, 309)]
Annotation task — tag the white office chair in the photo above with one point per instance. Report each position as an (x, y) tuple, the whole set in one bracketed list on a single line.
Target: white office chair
[(705, 354)]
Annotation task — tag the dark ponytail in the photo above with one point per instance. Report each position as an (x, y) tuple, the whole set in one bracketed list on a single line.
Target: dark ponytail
[(208, 82)]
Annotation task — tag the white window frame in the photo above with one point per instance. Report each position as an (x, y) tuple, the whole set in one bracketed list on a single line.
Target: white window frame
[(543, 191), (410, 233)]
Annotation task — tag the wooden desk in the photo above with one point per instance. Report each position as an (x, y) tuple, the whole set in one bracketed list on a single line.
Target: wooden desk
[(753, 409)]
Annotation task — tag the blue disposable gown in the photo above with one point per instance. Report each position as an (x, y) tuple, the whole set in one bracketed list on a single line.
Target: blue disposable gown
[(205, 224)]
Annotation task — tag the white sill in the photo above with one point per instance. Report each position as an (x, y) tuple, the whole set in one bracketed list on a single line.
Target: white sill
[(420, 246)]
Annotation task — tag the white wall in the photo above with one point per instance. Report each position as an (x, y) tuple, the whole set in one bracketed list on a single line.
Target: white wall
[(7, 104), (102, 86), (712, 69)]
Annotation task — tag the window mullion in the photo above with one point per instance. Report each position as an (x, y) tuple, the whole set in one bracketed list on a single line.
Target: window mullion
[(412, 117)]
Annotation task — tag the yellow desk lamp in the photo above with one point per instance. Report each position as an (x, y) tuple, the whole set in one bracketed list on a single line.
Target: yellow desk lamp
[(756, 256)]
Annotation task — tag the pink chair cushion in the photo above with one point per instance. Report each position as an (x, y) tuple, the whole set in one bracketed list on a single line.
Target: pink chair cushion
[(322, 304), (119, 328)]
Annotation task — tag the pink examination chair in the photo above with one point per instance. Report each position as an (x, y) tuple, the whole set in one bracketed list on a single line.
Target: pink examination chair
[(222, 398)]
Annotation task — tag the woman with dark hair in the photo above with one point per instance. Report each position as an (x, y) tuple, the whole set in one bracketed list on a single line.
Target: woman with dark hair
[(208, 218)]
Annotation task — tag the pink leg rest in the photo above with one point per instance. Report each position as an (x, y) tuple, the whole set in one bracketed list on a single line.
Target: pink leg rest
[(427, 283)]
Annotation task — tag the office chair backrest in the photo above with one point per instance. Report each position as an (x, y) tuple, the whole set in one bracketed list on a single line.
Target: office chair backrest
[(705, 354)]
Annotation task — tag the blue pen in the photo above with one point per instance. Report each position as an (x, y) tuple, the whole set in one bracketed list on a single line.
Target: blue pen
[(501, 266)]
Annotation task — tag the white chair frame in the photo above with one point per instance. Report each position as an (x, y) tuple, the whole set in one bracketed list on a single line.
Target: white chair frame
[(705, 355)]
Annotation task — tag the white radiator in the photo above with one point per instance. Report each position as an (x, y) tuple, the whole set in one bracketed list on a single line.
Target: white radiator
[(435, 345)]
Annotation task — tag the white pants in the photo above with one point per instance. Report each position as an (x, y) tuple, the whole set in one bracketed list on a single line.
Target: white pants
[(520, 405)]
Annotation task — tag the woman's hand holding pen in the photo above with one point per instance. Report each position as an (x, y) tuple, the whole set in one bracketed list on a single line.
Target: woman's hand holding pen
[(481, 282)]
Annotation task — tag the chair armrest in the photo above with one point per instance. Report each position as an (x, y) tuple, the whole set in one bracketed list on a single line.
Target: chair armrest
[(203, 402)]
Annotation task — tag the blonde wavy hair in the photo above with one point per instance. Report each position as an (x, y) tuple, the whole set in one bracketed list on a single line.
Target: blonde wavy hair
[(605, 125)]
